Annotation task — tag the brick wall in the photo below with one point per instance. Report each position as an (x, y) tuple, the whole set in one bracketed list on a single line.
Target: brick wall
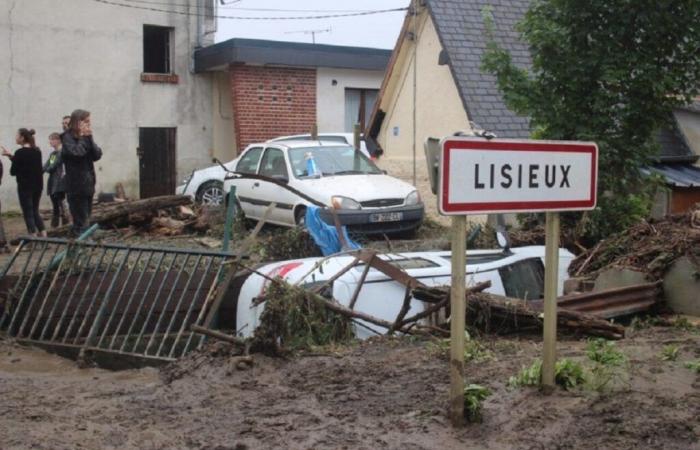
[(271, 101)]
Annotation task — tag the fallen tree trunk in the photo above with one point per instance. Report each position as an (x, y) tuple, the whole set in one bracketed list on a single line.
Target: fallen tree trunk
[(514, 314), (117, 210)]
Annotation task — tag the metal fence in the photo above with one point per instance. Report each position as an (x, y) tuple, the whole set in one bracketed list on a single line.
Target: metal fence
[(90, 297)]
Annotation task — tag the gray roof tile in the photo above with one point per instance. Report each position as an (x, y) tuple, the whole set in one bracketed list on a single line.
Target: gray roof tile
[(460, 26)]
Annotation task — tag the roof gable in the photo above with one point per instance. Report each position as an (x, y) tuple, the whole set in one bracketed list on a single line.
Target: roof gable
[(461, 30)]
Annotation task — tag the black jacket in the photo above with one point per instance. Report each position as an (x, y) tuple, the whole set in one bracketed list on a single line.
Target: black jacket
[(79, 155), (54, 167), (26, 167)]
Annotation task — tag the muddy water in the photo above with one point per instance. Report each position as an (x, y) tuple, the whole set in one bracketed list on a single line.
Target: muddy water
[(383, 394)]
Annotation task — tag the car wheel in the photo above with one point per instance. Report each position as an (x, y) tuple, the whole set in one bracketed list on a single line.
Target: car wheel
[(211, 193), (300, 217)]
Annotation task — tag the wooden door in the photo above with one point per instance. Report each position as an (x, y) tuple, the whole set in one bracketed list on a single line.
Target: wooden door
[(157, 161)]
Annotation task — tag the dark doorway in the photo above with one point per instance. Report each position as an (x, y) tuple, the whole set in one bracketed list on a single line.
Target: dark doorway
[(157, 170)]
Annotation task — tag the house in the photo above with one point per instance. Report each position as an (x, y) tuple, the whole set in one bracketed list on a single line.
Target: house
[(265, 89), (675, 164), (434, 87), (130, 66)]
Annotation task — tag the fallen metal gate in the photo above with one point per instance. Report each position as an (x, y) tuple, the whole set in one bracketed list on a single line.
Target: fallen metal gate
[(86, 297)]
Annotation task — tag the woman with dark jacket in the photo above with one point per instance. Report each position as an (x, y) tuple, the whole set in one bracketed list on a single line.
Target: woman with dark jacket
[(56, 186), (27, 169), (79, 154)]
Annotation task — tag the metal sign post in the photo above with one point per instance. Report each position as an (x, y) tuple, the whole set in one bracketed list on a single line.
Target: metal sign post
[(457, 318), (551, 264), (478, 176)]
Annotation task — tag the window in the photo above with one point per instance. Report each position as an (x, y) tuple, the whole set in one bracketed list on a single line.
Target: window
[(405, 264), (249, 161), (273, 164), (157, 49), (524, 279), (359, 104), (340, 160)]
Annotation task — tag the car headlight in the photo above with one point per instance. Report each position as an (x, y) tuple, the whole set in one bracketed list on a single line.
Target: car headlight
[(340, 202), (413, 199)]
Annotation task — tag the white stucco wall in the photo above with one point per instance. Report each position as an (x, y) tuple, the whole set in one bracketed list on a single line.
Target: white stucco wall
[(438, 106), (59, 56), (330, 99)]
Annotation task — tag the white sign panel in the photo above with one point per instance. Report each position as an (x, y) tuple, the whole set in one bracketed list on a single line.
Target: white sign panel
[(479, 176)]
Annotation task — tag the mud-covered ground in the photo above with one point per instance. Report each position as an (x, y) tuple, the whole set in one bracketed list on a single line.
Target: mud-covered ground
[(385, 393)]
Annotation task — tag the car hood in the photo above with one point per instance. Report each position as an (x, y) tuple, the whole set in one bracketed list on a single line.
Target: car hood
[(357, 187)]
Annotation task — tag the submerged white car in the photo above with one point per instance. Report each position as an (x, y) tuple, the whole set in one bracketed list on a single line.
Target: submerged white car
[(516, 273), (365, 199)]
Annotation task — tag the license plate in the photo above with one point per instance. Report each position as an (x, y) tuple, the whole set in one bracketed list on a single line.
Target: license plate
[(386, 217)]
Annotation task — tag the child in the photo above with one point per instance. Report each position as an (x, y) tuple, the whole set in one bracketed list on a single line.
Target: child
[(56, 187), (27, 169)]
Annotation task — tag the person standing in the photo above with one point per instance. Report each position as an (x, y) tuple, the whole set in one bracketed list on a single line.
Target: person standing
[(3, 240), (65, 122), (79, 154), (27, 169), (56, 185)]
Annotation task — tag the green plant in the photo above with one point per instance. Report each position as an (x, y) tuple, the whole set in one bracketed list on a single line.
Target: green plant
[(682, 323), (567, 373), (474, 350), (528, 376), (293, 320), (641, 323), (474, 396), (670, 352), (582, 86), (693, 365), (608, 363)]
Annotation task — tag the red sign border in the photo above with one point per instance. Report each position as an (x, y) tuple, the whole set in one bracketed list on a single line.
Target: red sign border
[(471, 144)]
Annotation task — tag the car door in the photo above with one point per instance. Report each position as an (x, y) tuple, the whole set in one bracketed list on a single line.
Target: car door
[(274, 165), (248, 163)]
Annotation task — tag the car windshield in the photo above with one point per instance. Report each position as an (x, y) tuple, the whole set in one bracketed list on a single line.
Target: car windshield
[(330, 160)]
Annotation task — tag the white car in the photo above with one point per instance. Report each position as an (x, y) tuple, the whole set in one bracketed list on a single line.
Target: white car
[(206, 186), (365, 199), (516, 273), (343, 138)]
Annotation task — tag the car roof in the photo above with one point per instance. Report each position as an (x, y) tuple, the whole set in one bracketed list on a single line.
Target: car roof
[(347, 136), (309, 143)]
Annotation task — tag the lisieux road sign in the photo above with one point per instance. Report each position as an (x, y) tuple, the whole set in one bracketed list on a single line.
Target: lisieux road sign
[(479, 176)]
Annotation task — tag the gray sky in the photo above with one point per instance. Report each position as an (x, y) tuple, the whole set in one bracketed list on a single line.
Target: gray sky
[(379, 30)]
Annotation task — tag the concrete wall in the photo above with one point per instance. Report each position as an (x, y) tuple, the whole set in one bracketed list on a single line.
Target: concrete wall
[(58, 56), (439, 109), (330, 99)]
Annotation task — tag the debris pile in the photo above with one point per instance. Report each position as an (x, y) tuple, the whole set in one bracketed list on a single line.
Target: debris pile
[(650, 246), (168, 215)]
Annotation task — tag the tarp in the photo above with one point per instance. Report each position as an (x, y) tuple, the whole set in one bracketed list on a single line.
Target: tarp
[(324, 235)]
